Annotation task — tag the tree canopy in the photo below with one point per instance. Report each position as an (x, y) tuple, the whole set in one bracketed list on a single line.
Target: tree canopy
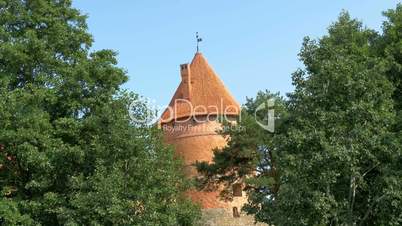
[(69, 152), (335, 156)]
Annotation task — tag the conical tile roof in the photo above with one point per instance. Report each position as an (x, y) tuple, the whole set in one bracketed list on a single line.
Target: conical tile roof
[(200, 92)]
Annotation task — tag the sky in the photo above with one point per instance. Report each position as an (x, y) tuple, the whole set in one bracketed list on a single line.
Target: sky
[(252, 45)]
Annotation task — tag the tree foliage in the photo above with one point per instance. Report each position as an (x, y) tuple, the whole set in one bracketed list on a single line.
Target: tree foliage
[(335, 156), (250, 156), (69, 152), (390, 48)]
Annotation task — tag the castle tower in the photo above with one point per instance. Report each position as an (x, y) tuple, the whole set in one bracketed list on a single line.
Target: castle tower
[(190, 124)]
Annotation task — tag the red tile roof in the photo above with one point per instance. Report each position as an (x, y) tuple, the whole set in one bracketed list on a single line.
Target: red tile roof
[(200, 92)]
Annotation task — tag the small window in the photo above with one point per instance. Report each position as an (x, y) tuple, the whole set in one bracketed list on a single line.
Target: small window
[(236, 212), (237, 190)]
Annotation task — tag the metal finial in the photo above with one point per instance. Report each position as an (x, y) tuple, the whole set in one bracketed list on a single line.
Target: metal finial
[(198, 40)]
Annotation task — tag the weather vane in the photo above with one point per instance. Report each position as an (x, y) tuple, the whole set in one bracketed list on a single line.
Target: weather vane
[(198, 41)]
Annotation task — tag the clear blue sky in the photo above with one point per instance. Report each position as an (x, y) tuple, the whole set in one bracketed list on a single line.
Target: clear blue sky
[(252, 45)]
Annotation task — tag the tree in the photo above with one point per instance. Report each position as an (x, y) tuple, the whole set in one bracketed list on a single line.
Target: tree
[(335, 157), (339, 153), (69, 152), (389, 47), (250, 156)]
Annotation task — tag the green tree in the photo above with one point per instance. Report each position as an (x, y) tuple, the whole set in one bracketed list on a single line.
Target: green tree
[(334, 159), (69, 152), (390, 48), (250, 156), (338, 153)]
